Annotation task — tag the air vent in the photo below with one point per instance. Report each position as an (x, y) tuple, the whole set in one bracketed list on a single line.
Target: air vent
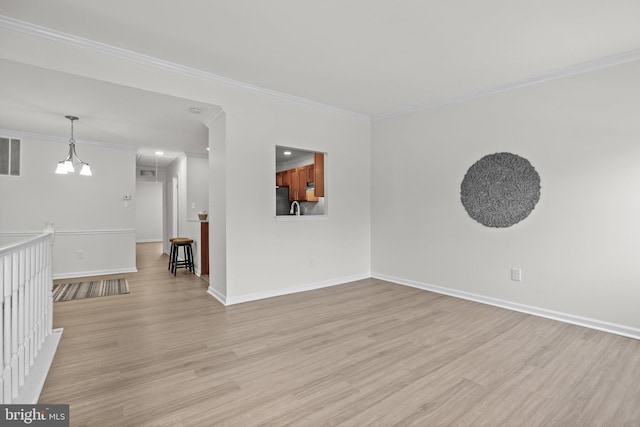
[(9, 156), (145, 172)]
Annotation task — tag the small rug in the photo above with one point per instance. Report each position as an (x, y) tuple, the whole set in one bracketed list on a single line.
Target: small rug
[(98, 288)]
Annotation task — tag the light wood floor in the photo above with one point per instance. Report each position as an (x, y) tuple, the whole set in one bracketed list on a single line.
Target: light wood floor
[(364, 353)]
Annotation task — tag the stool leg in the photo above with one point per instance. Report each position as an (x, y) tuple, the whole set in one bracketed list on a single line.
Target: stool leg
[(170, 256), (174, 262), (191, 260)]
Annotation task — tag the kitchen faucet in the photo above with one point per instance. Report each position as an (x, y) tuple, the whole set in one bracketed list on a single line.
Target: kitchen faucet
[(293, 205)]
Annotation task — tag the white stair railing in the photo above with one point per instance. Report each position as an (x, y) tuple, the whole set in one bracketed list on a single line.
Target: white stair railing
[(26, 282)]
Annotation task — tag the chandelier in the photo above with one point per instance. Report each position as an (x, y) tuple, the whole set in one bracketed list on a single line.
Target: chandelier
[(68, 165)]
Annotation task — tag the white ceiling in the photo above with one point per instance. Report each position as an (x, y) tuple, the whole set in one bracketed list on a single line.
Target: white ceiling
[(375, 57)]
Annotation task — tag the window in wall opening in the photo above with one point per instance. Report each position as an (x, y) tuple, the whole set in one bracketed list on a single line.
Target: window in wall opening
[(9, 156), (300, 182)]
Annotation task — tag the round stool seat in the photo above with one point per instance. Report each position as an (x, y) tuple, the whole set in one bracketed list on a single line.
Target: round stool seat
[(181, 241)]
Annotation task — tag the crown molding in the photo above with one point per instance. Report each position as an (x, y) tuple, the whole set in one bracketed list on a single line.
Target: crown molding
[(127, 55), (62, 140), (572, 70)]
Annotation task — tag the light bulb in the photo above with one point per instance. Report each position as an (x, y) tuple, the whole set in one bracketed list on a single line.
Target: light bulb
[(86, 170), (61, 169)]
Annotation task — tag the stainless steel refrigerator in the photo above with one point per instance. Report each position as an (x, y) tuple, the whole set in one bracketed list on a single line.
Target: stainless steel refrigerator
[(282, 200)]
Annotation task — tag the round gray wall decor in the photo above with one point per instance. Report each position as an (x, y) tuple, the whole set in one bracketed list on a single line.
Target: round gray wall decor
[(500, 190)]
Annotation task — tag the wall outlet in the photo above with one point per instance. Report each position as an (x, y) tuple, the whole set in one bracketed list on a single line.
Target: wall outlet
[(311, 262), (80, 254), (516, 274)]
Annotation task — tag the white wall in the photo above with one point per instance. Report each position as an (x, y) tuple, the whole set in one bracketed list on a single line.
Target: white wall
[(218, 207), (149, 211), (579, 248), (197, 185), (95, 232), (265, 256)]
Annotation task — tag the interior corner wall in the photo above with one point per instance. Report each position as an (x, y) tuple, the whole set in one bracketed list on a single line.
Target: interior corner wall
[(578, 249), (218, 208), (95, 231)]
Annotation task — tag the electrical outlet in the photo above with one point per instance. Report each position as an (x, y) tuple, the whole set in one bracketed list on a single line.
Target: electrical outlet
[(516, 274), (312, 262), (80, 254)]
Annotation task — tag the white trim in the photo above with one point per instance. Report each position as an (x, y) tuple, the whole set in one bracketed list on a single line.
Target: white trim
[(63, 140), (294, 290), (625, 331), (295, 218), (571, 70), (217, 295), (30, 391), (94, 232), (26, 234), (127, 55), (213, 117), (149, 241), (75, 274)]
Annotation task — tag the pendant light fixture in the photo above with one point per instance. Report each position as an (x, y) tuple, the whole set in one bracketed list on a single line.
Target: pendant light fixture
[(68, 165)]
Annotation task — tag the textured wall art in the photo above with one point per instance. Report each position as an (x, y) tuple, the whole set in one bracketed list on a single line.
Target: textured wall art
[(500, 190)]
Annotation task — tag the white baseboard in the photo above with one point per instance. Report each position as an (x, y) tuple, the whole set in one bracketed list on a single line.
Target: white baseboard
[(33, 383), (75, 274), (149, 241), (295, 289), (625, 331), (217, 295)]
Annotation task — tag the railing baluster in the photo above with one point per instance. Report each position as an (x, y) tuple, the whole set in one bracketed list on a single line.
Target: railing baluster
[(26, 310), (2, 282), (6, 339)]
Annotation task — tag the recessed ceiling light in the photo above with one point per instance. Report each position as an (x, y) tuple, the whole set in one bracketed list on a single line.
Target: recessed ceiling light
[(287, 153), (207, 148), (195, 110), (159, 153)]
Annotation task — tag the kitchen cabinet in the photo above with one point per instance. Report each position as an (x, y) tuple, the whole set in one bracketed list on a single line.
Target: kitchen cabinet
[(297, 184), (282, 179), (318, 171), (298, 178)]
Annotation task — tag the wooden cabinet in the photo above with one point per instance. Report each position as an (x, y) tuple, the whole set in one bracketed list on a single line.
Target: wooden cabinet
[(297, 184), (204, 248), (282, 179), (318, 171), (298, 178)]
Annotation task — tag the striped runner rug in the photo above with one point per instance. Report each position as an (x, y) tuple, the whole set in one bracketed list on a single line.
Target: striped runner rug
[(98, 288)]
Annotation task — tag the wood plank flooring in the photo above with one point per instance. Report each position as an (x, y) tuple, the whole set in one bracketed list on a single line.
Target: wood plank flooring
[(363, 353)]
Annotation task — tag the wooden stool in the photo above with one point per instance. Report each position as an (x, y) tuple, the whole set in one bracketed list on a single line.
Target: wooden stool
[(187, 262)]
